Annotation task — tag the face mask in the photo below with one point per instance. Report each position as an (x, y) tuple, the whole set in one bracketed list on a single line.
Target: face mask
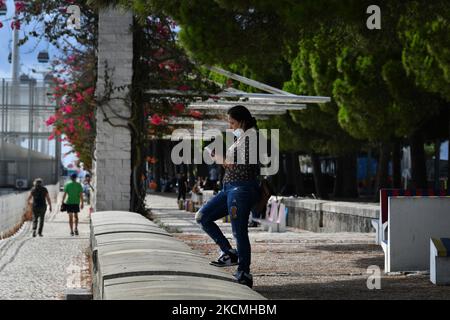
[(237, 133)]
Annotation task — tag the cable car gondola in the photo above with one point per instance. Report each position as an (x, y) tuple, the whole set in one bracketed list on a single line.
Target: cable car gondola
[(3, 8), (48, 77), (43, 57), (24, 78)]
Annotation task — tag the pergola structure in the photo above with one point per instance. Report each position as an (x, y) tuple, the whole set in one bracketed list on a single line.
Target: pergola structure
[(261, 105)]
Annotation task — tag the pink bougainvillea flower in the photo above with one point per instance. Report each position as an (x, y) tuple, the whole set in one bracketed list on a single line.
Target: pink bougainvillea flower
[(195, 114), (79, 97), (15, 25), (20, 6), (156, 120), (52, 136), (71, 58), (159, 53), (51, 120), (89, 91), (179, 107), (67, 109), (87, 126), (183, 88)]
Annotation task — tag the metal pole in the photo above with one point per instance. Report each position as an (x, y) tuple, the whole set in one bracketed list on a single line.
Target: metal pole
[(3, 108), (2, 146), (15, 70), (30, 128), (5, 138)]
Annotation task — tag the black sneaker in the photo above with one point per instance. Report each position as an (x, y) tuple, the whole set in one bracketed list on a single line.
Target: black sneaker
[(71, 233), (76, 232), (244, 278), (34, 234), (253, 224), (226, 259), (41, 235)]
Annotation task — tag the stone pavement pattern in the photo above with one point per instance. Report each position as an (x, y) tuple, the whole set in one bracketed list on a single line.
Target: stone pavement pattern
[(303, 265), (44, 267)]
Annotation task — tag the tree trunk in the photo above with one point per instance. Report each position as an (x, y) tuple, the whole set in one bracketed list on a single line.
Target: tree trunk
[(139, 142), (383, 168), (418, 166), (289, 175), (158, 165), (283, 175), (396, 165), (318, 179), (298, 175), (437, 160), (349, 173), (339, 180)]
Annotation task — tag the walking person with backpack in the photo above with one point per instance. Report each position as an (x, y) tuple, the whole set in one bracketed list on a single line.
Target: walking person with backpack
[(73, 191), (240, 192), (39, 194)]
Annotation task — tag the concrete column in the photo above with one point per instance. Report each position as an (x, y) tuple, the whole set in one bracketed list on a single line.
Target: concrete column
[(112, 168)]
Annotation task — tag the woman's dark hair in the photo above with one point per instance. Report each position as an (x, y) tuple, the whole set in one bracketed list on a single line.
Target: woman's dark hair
[(241, 114)]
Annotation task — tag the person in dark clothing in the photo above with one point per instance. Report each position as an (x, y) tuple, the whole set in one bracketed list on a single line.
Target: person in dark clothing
[(182, 186), (39, 194), (239, 193)]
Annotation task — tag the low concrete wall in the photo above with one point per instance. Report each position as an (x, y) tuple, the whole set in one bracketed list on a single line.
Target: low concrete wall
[(330, 216), (13, 208), (133, 258)]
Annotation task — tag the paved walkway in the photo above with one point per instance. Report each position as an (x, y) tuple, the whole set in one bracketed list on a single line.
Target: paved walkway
[(44, 267), (299, 264)]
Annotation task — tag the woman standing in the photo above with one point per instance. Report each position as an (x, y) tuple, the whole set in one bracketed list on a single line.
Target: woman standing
[(239, 193)]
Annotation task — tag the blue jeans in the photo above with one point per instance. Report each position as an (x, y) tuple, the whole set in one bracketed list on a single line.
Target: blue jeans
[(235, 199)]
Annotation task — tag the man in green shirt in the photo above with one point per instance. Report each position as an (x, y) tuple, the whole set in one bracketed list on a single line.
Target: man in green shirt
[(74, 193)]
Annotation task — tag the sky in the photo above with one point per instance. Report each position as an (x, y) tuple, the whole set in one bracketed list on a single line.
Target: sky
[(28, 56)]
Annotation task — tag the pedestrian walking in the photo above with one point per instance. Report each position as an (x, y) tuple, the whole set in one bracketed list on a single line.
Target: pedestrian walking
[(39, 194), (73, 191), (87, 187), (182, 186), (239, 193)]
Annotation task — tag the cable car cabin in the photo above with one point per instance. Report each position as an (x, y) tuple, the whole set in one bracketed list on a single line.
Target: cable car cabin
[(3, 9), (43, 57), (48, 77), (10, 57), (24, 78)]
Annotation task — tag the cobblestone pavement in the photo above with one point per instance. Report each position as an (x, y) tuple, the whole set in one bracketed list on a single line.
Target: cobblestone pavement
[(298, 264), (44, 267)]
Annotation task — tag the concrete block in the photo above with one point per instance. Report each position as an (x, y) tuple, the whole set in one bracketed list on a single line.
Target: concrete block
[(78, 294), (439, 262), (174, 287)]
